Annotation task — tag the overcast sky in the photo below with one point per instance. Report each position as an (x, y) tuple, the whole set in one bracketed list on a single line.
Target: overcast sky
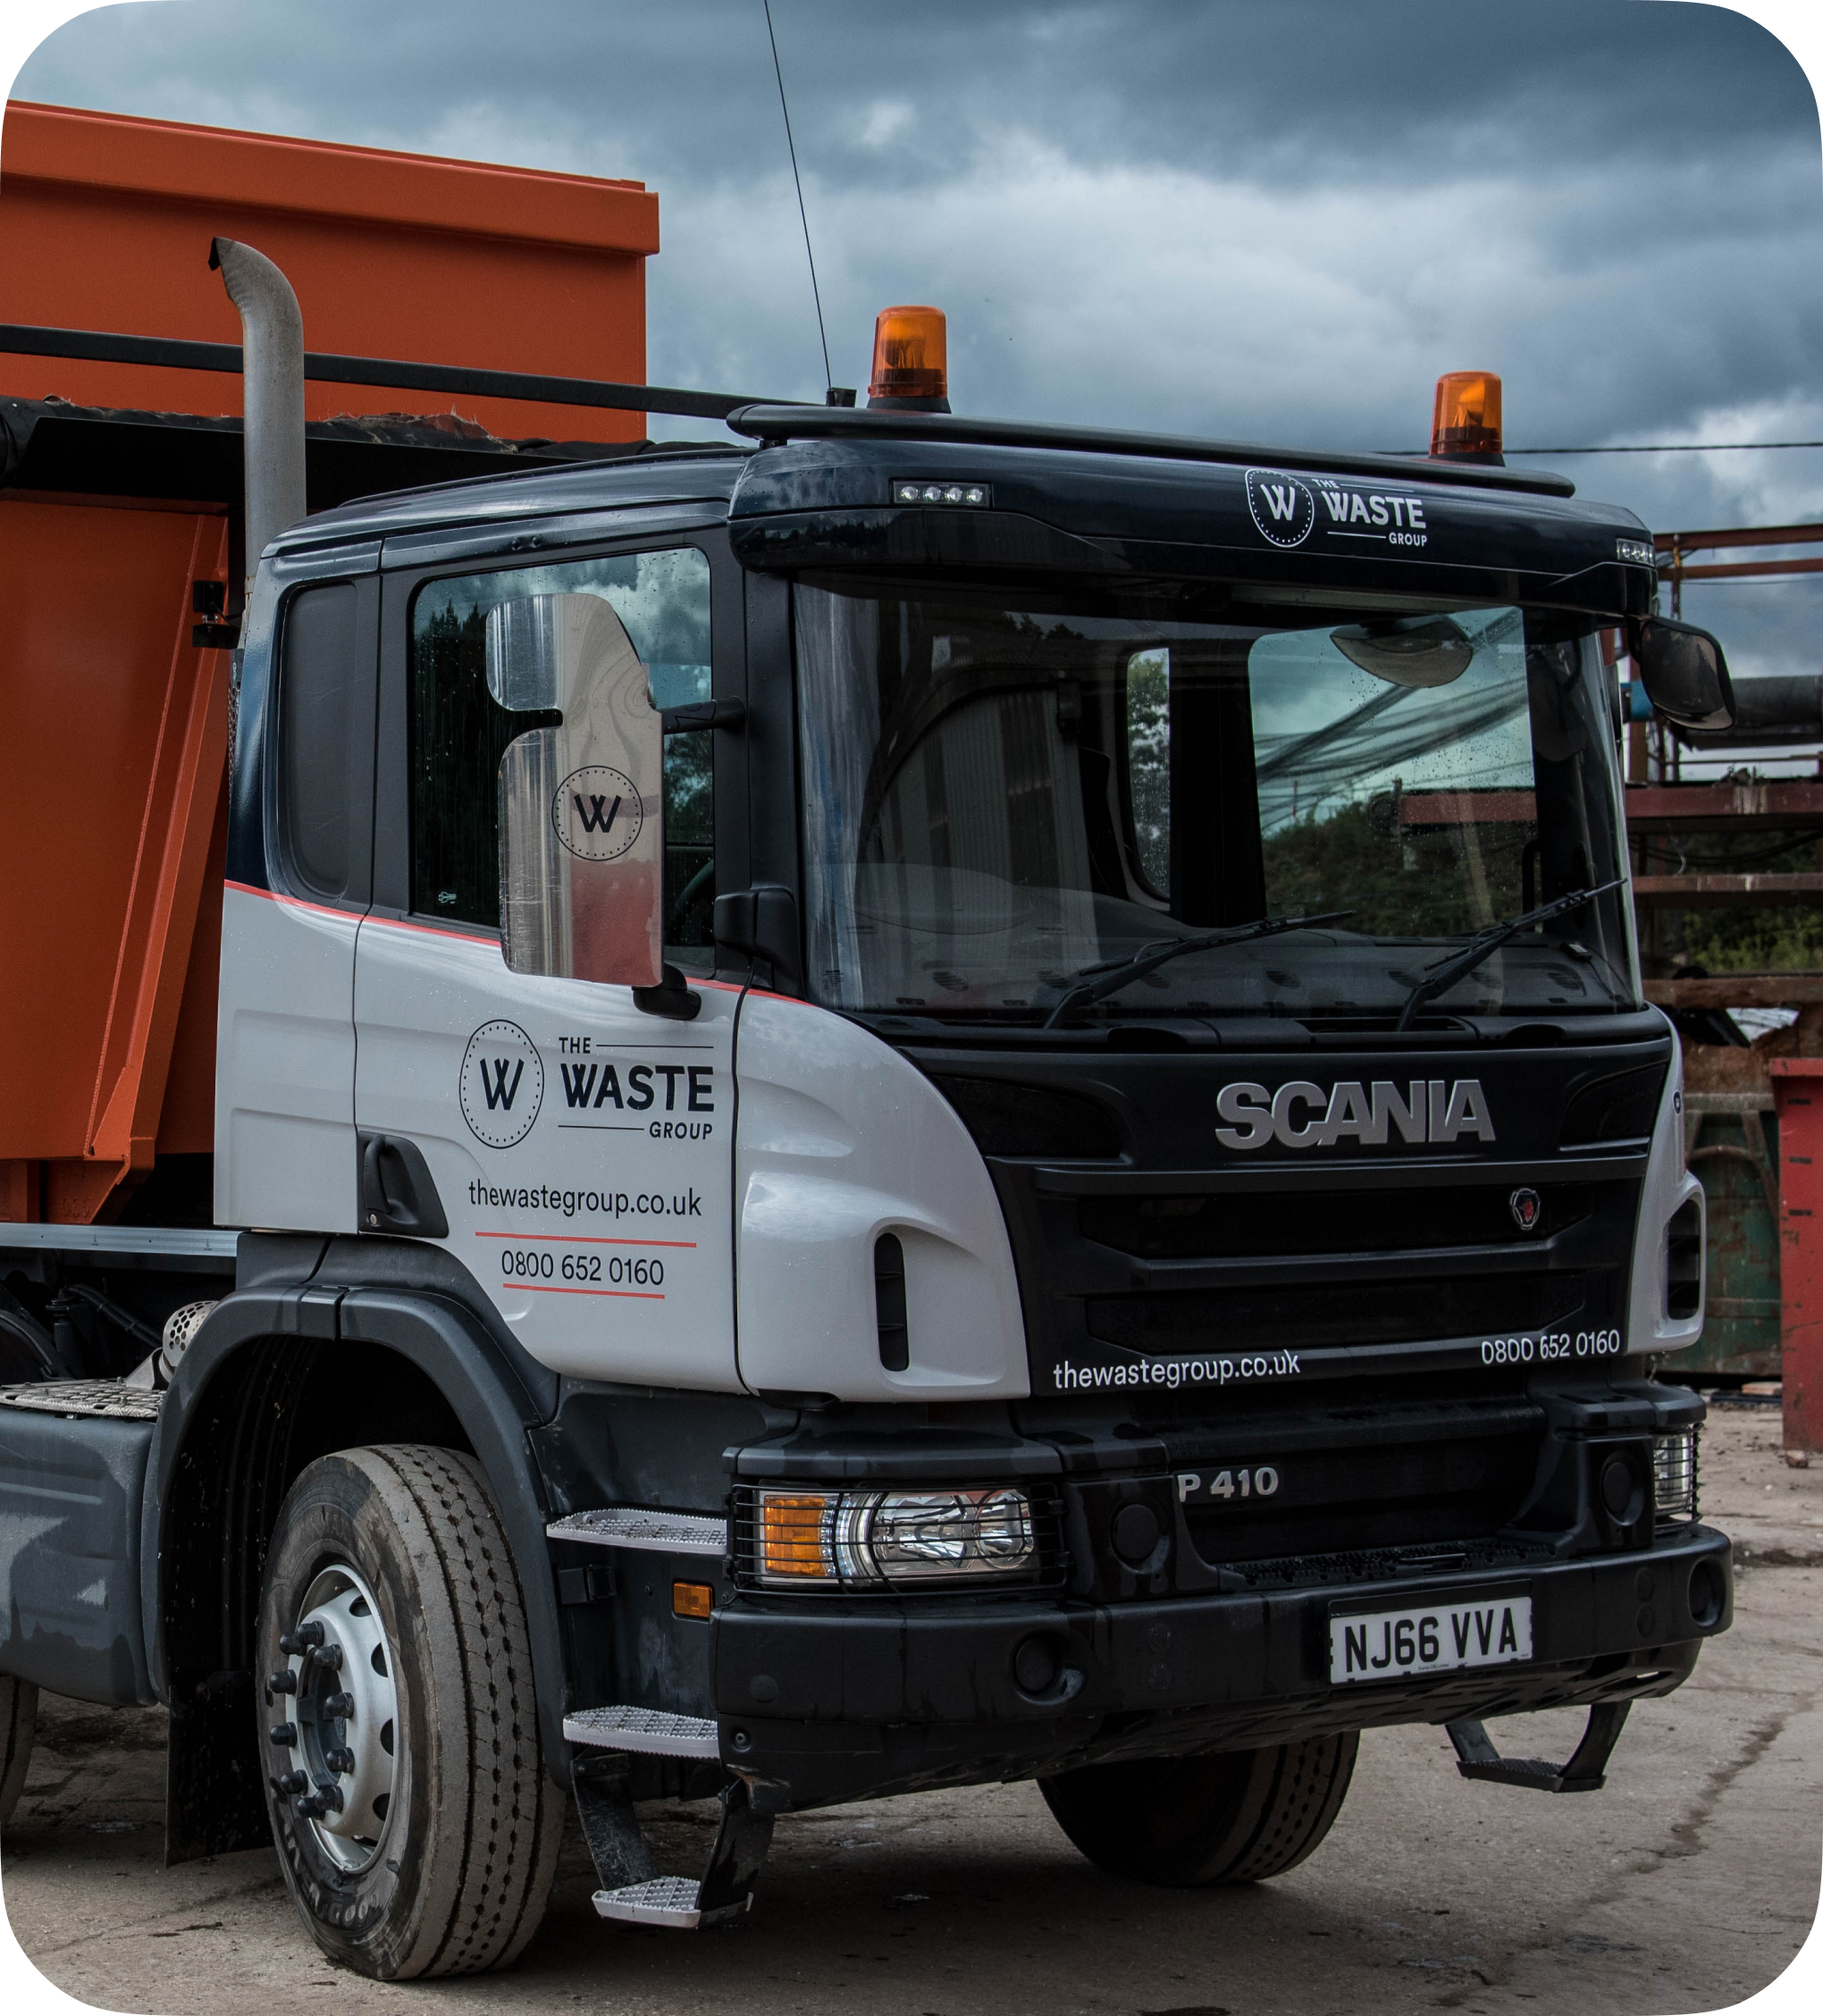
[(1265, 220)]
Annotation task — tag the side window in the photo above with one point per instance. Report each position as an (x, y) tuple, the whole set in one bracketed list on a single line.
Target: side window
[(326, 734), (459, 732)]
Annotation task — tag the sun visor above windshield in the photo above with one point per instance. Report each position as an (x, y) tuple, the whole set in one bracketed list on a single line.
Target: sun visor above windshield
[(817, 505)]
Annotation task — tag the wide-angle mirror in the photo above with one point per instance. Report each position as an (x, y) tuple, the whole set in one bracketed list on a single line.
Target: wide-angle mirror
[(1430, 651), (1685, 674), (581, 802)]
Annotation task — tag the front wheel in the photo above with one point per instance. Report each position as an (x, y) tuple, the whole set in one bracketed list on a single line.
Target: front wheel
[(415, 1820), (1185, 1821)]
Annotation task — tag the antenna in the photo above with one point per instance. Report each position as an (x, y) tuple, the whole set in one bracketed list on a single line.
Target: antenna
[(797, 182)]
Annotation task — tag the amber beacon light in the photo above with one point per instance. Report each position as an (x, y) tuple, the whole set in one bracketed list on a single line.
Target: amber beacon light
[(1465, 426), (910, 363)]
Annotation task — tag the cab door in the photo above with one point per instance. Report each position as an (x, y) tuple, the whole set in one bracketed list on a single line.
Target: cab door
[(300, 853), (571, 1149)]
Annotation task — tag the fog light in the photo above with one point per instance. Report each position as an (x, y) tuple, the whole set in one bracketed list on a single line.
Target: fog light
[(1674, 1473), (856, 1539)]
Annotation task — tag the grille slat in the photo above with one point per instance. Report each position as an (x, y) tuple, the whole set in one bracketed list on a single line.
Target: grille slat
[(1281, 1225), (1343, 1312)]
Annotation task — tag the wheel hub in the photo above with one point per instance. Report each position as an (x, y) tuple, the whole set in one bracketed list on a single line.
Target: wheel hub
[(339, 1749)]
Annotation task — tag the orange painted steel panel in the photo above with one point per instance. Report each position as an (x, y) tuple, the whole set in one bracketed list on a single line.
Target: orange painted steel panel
[(1797, 1087), (113, 727), (105, 224), (187, 1124), (112, 741)]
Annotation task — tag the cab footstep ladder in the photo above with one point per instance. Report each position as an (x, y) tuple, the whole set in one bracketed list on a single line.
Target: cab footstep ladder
[(608, 1738)]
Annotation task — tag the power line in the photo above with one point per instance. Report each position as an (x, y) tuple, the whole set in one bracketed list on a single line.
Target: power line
[(797, 183), (1665, 448), (1655, 448)]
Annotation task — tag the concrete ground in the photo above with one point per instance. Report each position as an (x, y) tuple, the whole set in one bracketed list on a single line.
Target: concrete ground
[(1685, 1886)]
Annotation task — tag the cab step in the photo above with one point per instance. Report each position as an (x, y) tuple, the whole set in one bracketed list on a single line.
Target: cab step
[(648, 1730), (632, 1891), (652, 1532), (675, 1901)]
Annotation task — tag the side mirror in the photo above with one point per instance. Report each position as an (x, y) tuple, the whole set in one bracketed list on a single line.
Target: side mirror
[(581, 804), (1685, 674)]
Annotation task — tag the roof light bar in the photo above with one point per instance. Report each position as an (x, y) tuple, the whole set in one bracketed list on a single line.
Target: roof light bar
[(941, 493)]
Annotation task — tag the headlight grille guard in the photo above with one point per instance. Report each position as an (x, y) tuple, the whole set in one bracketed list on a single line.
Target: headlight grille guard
[(1045, 1571)]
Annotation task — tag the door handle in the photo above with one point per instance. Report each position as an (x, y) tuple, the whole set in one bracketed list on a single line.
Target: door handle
[(396, 1190)]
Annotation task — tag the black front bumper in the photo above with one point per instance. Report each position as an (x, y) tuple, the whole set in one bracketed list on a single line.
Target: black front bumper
[(822, 1701)]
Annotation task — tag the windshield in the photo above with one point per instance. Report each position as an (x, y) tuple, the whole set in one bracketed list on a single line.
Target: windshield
[(998, 797)]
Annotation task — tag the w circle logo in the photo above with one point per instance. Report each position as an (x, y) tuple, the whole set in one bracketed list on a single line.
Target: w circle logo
[(1282, 507), (597, 813), (502, 1084)]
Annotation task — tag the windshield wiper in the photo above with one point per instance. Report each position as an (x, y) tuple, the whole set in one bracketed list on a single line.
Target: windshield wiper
[(1439, 978), (1115, 974)]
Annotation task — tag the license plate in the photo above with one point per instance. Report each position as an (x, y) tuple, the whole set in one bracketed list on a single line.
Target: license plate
[(1434, 1638)]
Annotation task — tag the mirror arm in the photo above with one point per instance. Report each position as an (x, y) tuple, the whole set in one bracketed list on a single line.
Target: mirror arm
[(705, 714), (671, 997)]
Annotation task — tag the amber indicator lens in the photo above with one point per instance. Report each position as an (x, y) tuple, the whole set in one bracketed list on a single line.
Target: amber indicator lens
[(911, 354), (1466, 418), (692, 1598), (794, 1536)]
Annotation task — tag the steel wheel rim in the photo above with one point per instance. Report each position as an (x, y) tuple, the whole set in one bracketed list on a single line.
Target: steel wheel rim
[(341, 1764)]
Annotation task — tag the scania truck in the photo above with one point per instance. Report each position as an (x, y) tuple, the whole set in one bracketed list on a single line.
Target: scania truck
[(927, 1103)]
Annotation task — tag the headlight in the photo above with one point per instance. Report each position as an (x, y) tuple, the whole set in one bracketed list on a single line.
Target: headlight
[(1674, 1474), (848, 1539)]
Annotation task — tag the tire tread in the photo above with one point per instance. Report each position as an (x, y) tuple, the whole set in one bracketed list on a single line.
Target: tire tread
[(511, 1826)]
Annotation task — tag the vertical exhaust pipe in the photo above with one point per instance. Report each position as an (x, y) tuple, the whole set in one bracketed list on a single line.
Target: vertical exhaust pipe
[(272, 363)]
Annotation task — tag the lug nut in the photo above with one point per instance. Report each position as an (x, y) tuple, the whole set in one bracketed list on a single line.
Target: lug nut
[(329, 1795), (340, 1761), (283, 1734), (329, 1656), (339, 1706), (283, 1681), (309, 1808), (292, 1783), (292, 1642)]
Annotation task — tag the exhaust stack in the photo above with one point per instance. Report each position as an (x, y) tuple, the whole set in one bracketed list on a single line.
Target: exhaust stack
[(272, 331)]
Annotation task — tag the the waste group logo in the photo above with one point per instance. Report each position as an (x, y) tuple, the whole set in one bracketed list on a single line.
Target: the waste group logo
[(1282, 507), (502, 1084), (597, 813)]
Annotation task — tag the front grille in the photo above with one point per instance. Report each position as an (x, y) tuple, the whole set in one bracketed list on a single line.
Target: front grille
[(1273, 1225), (1374, 1495), (1341, 1313)]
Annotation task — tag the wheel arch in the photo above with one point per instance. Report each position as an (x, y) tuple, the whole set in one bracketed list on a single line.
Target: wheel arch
[(276, 1377)]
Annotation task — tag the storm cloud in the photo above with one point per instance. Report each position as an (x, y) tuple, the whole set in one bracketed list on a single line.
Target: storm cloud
[(1265, 221)]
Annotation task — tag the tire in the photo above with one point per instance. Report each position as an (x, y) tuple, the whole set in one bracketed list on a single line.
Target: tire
[(18, 1732), (415, 1706), (1181, 1821)]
